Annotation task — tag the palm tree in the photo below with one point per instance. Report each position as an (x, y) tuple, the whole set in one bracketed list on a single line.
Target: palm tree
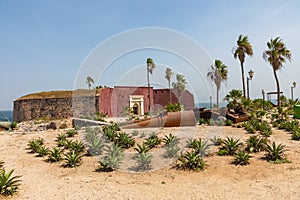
[(276, 55), (168, 76), (243, 47), (218, 74), (179, 85), (150, 68), (89, 81)]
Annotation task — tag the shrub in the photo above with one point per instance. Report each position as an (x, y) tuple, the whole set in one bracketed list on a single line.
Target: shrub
[(112, 159), (216, 140), (230, 146), (71, 132), (144, 161), (95, 146), (200, 147), (34, 145), (256, 144), (173, 107), (228, 122), (13, 125), (202, 121), (153, 140), (241, 158), (8, 184), (172, 150), (190, 161), (143, 148), (54, 155), (42, 151), (275, 152), (135, 133), (124, 140), (61, 136), (170, 139), (72, 159)]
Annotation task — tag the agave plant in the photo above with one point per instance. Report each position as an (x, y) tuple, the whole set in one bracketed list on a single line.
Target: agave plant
[(77, 146), (241, 158), (124, 140), (275, 152), (8, 184), (61, 143), (144, 161), (190, 161), (200, 147), (143, 148), (54, 155), (135, 133), (91, 134), (216, 140), (265, 129), (71, 132), (73, 159), (110, 134), (61, 136), (296, 134), (256, 144), (43, 151), (230, 146), (34, 145), (95, 146), (153, 140), (170, 139), (112, 159), (189, 142), (68, 144), (172, 150)]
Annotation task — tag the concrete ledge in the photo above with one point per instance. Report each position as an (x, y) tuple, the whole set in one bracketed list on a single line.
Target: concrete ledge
[(77, 122)]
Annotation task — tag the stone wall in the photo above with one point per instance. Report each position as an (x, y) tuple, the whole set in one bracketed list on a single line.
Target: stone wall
[(54, 108)]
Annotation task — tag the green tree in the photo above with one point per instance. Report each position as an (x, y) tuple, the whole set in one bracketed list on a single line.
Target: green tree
[(89, 81), (150, 68), (242, 49), (277, 54), (168, 76), (179, 85), (218, 74)]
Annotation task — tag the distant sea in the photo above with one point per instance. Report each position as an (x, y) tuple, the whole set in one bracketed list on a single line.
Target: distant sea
[(207, 105), (6, 114)]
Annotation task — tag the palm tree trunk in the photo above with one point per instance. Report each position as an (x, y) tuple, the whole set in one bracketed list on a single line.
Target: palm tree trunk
[(148, 91), (170, 92), (278, 90), (218, 99), (243, 79)]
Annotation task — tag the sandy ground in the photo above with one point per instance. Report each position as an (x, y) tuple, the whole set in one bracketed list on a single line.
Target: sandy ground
[(220, 179)]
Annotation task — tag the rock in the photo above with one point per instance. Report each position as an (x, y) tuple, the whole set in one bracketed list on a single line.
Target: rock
[(52, 125)]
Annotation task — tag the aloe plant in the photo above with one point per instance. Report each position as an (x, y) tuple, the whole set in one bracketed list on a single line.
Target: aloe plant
[(8, 184), (43, 151), (170, 139), (71, 132), (34, 146), (230, 146), (54, 155), (112, 159), (200, 147), (72, 159), (95, 146), (61, 136), (256, 144), (124, 140), (153, 140), (190, 161), (172, 150), (143, 148), (77, 146), (275, 152), (241, 158), (216, 140), (144, 161)]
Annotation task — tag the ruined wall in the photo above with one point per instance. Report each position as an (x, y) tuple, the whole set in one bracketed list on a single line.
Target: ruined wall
[(54, 108)]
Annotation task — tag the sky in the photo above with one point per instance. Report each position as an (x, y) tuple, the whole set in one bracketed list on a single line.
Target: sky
[(47, 45)]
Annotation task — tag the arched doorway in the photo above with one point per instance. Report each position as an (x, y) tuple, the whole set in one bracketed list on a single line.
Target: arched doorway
[(136, 104), (135, 109)]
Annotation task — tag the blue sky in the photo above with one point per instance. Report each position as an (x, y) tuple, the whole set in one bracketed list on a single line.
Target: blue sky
[(44, 43)]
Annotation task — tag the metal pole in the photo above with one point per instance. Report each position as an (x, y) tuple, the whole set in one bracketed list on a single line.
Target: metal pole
[(248, 87), (263, 93), (292, 91), (210, 102)]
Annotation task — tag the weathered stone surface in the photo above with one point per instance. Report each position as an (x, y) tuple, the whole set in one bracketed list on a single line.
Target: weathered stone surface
[(79, 123)]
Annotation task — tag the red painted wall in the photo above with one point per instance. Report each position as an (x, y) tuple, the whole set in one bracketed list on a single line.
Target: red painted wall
[(113, 101)]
